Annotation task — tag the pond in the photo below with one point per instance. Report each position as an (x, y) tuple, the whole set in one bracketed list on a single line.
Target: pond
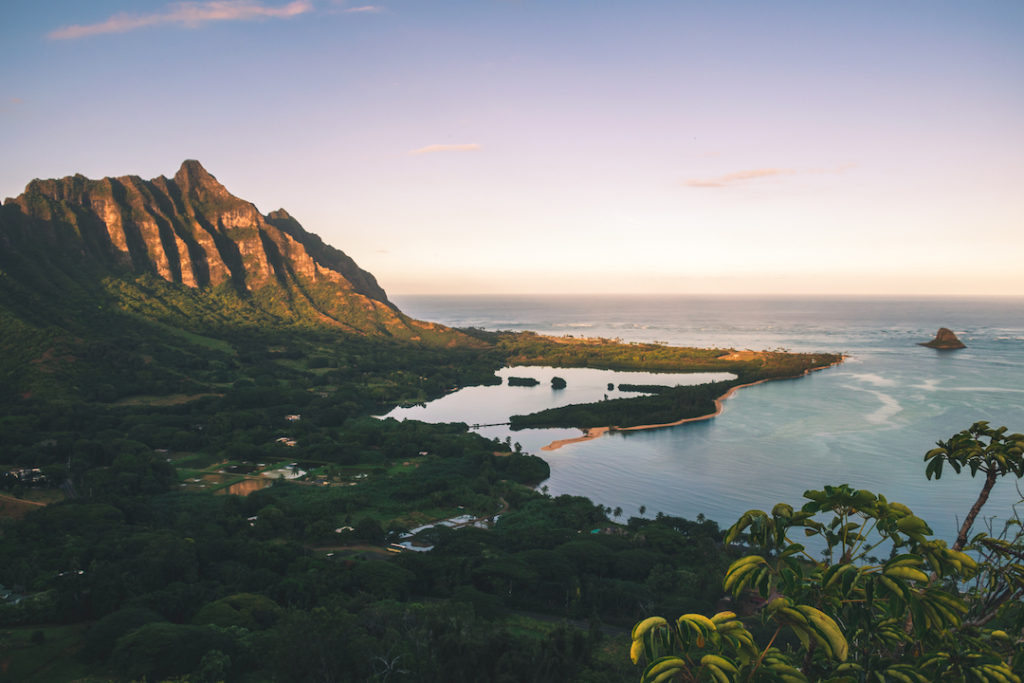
[(493, 405)]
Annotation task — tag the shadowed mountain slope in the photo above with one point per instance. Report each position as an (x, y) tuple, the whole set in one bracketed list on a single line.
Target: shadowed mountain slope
[(88, 261), (189, 231)]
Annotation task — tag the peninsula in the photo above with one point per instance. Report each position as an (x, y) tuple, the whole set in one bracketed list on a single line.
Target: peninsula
[(694, 393)]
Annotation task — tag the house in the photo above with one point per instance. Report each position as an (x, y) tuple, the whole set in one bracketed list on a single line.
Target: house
[(27, 475)]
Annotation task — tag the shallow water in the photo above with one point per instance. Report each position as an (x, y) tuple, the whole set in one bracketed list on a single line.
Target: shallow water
[(867, 422)]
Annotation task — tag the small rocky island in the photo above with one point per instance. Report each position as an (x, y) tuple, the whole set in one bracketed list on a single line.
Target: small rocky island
[(944, 340)]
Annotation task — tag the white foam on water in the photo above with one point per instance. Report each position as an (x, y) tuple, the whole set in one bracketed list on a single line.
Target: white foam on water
[(873, 379), (998, 390), (889, 409)]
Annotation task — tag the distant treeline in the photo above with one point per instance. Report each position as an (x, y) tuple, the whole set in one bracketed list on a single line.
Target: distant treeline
[(669, 405), (522, 382), (527, 348), (644, 388)]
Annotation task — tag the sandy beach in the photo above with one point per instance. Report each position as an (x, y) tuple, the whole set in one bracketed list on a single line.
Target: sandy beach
[(591, 433)]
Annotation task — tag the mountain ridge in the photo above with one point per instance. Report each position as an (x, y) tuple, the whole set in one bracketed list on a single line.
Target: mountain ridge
[(191, 232), (123, 286)]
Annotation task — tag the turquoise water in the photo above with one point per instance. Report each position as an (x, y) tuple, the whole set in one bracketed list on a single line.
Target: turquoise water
[(867, 422)]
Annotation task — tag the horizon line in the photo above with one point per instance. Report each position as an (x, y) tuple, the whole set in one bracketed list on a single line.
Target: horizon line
[(751, 295)]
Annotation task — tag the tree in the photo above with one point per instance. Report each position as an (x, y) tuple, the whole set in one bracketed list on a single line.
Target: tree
[(101, 638), (852, 616), (981, 449), (246, 610), (996, 454), (369, 530), (157, 651)]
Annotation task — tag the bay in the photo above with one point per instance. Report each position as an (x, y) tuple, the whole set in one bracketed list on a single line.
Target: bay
[(866, 422)]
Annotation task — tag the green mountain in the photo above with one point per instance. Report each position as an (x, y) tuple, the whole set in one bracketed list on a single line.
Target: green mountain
[(91, 269), (191, 232), (123, 287)]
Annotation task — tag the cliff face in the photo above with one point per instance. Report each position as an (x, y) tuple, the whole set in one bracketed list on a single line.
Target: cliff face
[(189, 230)]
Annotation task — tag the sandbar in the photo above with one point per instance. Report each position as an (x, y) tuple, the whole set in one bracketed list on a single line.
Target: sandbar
[(591, 433)]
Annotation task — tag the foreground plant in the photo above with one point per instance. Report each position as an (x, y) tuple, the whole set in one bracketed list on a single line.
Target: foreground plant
[(921, 613)]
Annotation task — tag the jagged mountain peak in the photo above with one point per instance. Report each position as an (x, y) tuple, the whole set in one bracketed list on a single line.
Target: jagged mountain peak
[(194, 167), (191, 232), (192, 172), (195, 181)]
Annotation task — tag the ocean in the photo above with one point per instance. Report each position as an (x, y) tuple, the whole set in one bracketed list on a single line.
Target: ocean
[(867, 422)]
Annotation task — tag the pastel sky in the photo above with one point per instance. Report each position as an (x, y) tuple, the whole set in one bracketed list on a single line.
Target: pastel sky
[(591, 146)]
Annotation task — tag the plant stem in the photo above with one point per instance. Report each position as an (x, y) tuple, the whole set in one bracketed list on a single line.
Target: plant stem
[(965, 528), (757, 665)]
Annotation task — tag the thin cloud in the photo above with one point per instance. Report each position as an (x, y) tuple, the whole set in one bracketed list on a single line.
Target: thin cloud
[(758, 173), (341, 7), (185, 14), (430, 149), (738, 177)]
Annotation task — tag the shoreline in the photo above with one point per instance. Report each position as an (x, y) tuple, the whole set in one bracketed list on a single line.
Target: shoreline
[(591, 433), (596, 432)]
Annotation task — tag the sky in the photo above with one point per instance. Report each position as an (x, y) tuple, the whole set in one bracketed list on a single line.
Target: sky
[(549, 146)]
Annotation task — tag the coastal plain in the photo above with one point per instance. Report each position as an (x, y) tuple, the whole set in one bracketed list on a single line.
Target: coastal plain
[(192, 473)]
